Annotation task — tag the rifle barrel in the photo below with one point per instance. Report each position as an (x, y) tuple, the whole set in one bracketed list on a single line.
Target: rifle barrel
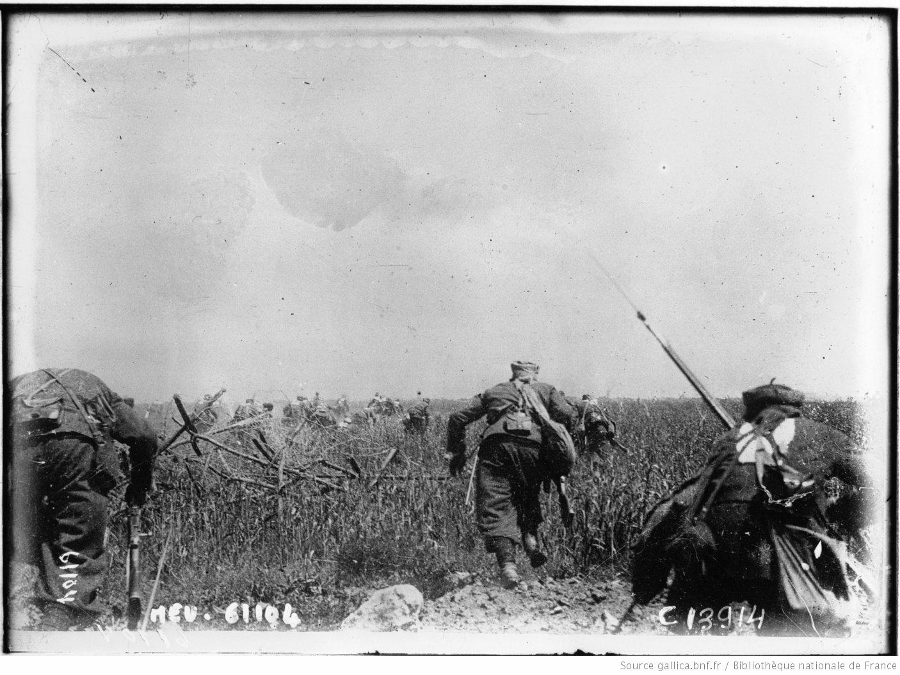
[(723, 415), (720, 412), (135, 597)]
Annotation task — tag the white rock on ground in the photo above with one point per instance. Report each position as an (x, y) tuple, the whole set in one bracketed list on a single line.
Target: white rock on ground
[(389, 609)]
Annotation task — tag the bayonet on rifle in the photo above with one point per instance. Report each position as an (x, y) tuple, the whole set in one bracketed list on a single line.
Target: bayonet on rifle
[(720, 412)]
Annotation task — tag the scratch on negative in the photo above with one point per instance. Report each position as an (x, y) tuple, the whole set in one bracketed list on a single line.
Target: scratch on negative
[(70, 66)]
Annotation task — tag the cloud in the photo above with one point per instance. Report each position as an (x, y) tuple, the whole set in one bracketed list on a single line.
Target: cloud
[(324, 179), (327, 180)]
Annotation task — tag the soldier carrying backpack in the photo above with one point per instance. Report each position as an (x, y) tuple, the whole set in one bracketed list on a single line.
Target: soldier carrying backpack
[(64, 465), (751, 526), (519, 452)]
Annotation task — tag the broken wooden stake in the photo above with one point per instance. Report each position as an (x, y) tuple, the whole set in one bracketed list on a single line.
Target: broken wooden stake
[(184, 427)]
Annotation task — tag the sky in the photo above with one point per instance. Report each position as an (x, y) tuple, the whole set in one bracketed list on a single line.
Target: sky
[(360, 202)]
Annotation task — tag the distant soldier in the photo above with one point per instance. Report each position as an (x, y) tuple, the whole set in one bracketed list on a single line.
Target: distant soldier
[(205, 416), (509, 469), (375, 410), (751, 526), (418, 416), (291, 413), (316, 401), (64, 465), (342, 407), (305, 407), (267, 409), (244, 411), (593, 429), (321, 417)]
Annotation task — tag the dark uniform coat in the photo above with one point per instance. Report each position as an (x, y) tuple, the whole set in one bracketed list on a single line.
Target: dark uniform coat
[(732, 537), (63, 472), (509, 473)]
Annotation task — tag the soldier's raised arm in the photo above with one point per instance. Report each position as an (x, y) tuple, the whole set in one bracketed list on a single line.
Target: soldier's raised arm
[(561, 410), (142, 443), (456, 426)]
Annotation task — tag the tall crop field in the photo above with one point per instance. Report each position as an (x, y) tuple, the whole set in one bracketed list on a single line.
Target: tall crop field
[(322, 544)]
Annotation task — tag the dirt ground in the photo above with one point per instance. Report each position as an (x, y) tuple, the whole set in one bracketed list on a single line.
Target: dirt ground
[(577, 605), (540, 604)]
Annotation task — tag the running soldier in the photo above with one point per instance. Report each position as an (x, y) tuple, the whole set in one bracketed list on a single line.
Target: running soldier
[(342, 407), (752, 527), (64, 465), (418, 417), (246, 411), (594, 430), (321, 417), (205, 416), (509, 471)]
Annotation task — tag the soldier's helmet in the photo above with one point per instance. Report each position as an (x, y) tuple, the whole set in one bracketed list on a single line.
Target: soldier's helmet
[(268, 406), (249, 400), (759, 398)]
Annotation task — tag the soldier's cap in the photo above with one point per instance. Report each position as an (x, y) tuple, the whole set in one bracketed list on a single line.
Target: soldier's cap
[(249, 400), (585, 397), (524, 367), (268, 406), (761, 397)]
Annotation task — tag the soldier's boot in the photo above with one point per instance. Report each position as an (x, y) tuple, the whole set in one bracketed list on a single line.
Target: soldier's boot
[(505, 550), (530, 544), (509, 575)]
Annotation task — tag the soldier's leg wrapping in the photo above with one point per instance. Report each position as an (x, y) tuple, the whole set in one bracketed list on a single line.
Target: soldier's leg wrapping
[(73, 559)]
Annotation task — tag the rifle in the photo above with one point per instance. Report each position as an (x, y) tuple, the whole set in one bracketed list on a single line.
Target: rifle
[(565, 508), (133, 571), (717, 408)]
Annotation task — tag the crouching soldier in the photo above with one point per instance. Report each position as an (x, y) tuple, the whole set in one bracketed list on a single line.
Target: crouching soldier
[(509, 471), (418, 417), (64, 465), (751, 526)]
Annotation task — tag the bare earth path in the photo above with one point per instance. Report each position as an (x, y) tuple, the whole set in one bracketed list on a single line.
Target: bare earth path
[(539, 605)]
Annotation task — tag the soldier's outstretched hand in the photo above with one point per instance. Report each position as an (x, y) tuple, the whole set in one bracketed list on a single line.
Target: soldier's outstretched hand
[(457, 463), (134, 496)]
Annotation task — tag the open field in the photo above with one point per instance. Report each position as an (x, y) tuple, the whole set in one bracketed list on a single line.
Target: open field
[(323, 544)]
